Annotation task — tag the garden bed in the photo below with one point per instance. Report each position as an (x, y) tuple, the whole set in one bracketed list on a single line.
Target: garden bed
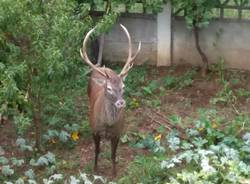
[(160, 101)]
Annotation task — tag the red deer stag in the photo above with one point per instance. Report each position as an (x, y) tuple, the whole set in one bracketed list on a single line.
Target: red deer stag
[(106, 102)]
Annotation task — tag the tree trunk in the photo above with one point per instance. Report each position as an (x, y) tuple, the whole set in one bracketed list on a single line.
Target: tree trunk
[(100, 50), (34, 98), (37, 122), (204, 68), (101, 39)]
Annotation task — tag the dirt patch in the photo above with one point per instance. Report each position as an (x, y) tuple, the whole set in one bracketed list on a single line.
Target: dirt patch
[(8, 140), (125, 155)]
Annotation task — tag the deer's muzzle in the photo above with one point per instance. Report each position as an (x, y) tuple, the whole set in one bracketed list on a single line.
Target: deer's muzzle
[(120, 103)]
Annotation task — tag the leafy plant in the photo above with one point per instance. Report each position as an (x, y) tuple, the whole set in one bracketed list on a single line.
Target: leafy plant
[(179, 82), (44, 160), (210, 163), (16, 162), (22, 123), (243, 93), (152, 143), (151, 87), (53, 178), (173, 141), (170, 81), (219, 68), (207, 155), (132, 85), (3, 160), (30, 174), (21, 143), (7, 170), (144, 169), (175, 119), (226, 95), (186, 79)]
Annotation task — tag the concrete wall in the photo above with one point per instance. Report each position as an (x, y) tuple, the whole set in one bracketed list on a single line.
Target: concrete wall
[(229, 39), (140, 27), (164, 36), (222, 38)]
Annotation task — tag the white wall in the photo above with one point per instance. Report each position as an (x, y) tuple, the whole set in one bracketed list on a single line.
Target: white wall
[(229, 39), (142, 28)]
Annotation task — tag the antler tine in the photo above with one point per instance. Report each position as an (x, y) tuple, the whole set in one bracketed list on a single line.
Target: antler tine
[(126, 70), (84, 55), (128, 65), (137, 52), (129, 49)]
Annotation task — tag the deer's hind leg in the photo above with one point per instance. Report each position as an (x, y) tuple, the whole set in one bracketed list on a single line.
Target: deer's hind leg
[(97, 140)]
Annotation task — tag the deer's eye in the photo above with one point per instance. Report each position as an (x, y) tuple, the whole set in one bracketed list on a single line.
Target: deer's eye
[(109, 89), (121, 90)]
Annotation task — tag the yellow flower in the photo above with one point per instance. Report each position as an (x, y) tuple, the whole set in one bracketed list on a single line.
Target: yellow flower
[(64, 162), (201, 129), (52, 141), (158, 137), (135, 103), (214, 125), (74, 136)]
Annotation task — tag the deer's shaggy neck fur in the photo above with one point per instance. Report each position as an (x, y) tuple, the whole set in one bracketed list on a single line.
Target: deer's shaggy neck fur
[(111, 112)]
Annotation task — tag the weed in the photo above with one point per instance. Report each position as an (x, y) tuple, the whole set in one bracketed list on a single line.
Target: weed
[(144, 170), (152, 143), (133, 103), (169, 81), (225, 96), (185, 80), (175, 119), (151, 87), (88, 168), (239, 124), (135, 80), (243, 92), (85, 129), (219, 68)]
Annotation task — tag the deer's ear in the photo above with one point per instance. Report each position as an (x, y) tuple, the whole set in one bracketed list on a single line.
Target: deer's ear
[(99, 82)]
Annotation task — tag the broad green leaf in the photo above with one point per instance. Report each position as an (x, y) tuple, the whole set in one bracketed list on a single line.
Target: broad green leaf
[(7, 170)]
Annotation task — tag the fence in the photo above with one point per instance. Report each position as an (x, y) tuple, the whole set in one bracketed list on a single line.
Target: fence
[(166, 40)]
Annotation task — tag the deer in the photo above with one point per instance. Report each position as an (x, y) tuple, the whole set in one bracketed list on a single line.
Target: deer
[(106, 100)]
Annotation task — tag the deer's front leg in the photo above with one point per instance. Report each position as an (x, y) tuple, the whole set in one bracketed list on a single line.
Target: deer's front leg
[(114, 144)]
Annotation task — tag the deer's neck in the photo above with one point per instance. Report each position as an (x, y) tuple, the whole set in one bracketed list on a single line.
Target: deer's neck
[(112, 113)]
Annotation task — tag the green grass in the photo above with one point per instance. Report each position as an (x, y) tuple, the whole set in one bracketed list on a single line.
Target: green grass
[(144, 169)]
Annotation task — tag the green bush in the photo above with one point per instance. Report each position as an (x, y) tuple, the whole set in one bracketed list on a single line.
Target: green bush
[(41, 72)]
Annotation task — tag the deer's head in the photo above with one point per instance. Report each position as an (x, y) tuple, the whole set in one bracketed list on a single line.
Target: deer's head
[(112, 83)]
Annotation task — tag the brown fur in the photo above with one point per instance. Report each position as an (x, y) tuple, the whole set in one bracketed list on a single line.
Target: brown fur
[(106, 102), (105, 120)]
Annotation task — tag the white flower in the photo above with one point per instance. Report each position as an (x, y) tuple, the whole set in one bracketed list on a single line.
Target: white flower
[(167, 164), (205, 165), (246, 137)]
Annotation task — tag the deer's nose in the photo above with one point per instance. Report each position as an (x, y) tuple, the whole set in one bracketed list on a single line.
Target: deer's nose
[(120, 103)]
